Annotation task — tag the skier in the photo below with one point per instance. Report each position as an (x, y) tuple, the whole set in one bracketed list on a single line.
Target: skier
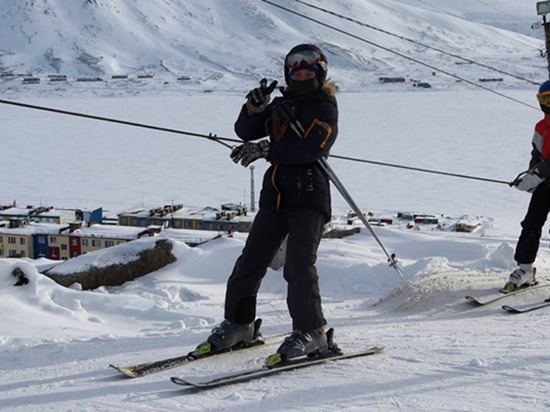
[(294, 201), (536, 181)]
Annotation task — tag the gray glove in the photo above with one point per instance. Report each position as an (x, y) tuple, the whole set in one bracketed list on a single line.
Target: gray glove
[(528, 182), (258, 98), (250, 152)]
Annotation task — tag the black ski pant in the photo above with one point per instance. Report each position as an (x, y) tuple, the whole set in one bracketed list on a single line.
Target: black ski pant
[(537, 213), (304, 228)]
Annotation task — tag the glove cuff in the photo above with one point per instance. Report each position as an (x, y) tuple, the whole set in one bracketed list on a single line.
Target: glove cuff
[(264, 146), (253, 109)]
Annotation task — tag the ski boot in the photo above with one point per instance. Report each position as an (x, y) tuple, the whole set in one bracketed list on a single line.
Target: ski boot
[(301, 343), (313, 344), (228, 336), (523, 276)]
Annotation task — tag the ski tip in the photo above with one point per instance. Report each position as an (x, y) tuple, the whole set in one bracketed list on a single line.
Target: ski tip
[(376, 349), (125, 371), (180, 381), (510, 309), (117, 368)]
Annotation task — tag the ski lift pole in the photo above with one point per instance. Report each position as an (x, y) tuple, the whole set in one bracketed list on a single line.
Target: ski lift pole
[(345, 194)]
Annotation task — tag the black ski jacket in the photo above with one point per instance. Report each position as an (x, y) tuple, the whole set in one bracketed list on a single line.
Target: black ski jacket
[(294, 179)]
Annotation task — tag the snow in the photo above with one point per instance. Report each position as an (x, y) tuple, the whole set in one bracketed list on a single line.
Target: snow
[(56, 347), (182, 39), (124, 253), (31, 228), (441, 353), (108, 231)]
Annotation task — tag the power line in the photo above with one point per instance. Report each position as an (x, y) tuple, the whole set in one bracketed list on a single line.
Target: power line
[(415, 42), (400, 54)]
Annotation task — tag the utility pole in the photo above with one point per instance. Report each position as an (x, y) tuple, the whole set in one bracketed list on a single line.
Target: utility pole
[(252, 196), (543, 8)]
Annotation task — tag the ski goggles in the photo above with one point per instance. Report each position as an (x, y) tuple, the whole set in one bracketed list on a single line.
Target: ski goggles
[(302, 58), (544, 98)]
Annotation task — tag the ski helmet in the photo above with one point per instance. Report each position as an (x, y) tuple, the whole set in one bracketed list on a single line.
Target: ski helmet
[(543, 96), (306, 56)]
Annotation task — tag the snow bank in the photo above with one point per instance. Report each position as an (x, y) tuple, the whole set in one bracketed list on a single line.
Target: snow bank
[(117, 255)]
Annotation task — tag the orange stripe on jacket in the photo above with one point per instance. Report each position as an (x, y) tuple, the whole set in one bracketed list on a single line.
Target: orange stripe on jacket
[(275, 168), (324, 125)]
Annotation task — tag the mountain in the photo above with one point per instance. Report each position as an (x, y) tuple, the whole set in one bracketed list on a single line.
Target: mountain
[(515, 16), (221, 43)]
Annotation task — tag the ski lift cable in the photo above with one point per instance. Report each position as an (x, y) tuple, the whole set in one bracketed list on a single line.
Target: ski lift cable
[(455, 76), (501, 11), (221, 140), (460, 17), (418, 169), (445, 11), (210, 136), (415, 42)]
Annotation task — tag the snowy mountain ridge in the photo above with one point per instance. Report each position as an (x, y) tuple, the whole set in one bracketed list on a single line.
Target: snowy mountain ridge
[(222, 43)]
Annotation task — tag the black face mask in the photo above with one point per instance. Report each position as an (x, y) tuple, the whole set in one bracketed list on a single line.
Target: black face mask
[(303, 88), (545, 109)]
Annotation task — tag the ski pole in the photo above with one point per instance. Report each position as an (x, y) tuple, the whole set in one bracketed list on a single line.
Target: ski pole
[(347, 197), (299, 130)]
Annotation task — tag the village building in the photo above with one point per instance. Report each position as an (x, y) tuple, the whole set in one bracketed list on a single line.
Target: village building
[(59, 216), (229, 218), (95, 237), (50, 214), (19, 239), (60, 234), (15, 212)]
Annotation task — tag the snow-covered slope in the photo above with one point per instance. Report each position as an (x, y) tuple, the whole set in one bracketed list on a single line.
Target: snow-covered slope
[(223, 42), (56, 343)]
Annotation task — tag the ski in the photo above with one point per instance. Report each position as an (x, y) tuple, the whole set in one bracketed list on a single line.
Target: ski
[(144, 369), (149, 368), (494, 297), (266, 370), (526, 308)]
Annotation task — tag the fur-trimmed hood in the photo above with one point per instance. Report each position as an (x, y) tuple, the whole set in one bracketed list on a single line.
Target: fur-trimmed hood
[(329, 87)]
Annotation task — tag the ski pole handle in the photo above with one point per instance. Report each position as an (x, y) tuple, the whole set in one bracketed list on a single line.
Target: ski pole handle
[(515, 181)]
